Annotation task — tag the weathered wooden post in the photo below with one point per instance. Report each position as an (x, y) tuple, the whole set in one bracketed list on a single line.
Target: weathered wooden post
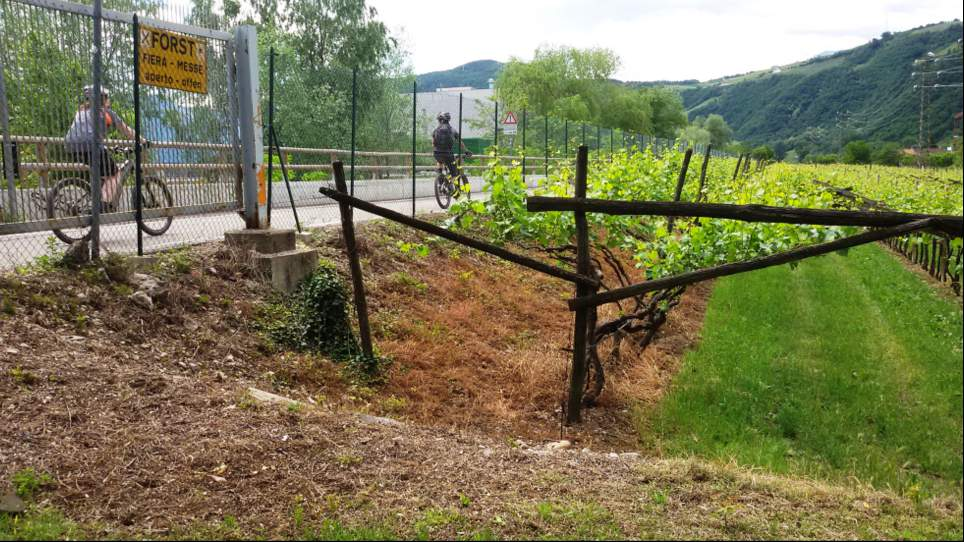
[(348, 230), (706, 162), (739, 162), (678, 193), (577, 381)]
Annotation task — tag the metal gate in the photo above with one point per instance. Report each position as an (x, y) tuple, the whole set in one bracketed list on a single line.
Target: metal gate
[(195, 152)]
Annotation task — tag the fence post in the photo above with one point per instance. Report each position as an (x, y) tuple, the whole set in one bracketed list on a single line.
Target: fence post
[(523, 146), (231, 78), (271, 141), (7, 148), (577, 381), (354, 116), (414, 107), (565, 135), (138, 150), (547, 148), (678, 193), (284, 173), (460, 130), (706, 162), (95, 152), (598, 141), (252, 144), (736, 171), (348, 230), (495, 131)]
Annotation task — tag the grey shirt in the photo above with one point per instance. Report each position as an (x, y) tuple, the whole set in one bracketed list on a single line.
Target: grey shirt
[(80, 136)]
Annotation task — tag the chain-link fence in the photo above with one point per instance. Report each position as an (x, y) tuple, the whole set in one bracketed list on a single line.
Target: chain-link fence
[(388, 150), (190, 187)]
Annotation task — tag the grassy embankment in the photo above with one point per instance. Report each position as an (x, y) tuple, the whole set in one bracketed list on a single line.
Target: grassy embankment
[(848, 366)]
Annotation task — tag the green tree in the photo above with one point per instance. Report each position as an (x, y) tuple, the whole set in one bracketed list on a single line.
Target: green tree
[(695, 135), (763, 152), (720, 132), (575, 84), (887, 154), (856, 152)]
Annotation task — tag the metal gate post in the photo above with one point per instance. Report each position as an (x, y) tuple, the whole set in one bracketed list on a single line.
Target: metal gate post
[(232, 65), (252, 146), (138, 149), (414, 110), (7, 149), (96, 115), (495, 134)]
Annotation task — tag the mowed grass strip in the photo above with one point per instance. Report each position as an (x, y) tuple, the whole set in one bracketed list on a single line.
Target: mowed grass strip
[(847, 366)]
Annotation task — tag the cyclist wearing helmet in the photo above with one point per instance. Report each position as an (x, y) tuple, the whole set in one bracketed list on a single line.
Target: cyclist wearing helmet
[(80, 141), (443, 139)]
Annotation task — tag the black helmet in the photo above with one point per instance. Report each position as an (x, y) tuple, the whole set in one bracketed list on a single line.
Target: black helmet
[(444, 117), (89, 91)]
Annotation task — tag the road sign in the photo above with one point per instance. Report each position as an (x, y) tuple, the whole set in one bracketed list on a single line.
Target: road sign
[(173, 60), (509, 123)]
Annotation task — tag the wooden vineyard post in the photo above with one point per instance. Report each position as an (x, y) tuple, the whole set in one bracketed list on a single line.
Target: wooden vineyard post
[(739, 162), (679, 185), (577, 380), (348, 230), (706, 162)]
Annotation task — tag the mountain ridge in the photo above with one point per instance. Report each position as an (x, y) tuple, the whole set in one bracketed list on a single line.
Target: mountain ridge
[(812, 105)]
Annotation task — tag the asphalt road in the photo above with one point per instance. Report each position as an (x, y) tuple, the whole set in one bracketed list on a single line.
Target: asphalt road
[(313, 211)]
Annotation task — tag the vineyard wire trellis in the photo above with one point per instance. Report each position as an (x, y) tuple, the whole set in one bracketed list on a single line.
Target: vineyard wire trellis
[(933, 257)]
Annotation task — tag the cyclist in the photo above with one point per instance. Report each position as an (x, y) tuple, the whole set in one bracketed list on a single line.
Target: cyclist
[(443, 139), (79, 141)]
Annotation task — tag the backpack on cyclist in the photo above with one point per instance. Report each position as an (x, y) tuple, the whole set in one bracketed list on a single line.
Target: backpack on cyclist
[(444, 138)]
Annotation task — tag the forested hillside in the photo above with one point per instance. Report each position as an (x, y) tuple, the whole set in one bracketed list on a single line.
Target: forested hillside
[(474, 74), (814, 106)]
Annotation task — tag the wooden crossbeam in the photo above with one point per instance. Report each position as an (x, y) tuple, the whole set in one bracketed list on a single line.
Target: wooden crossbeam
[(949, 224), (742, 267)]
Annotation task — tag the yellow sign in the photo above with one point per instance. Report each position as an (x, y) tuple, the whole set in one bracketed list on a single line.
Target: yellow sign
[(173, 60)]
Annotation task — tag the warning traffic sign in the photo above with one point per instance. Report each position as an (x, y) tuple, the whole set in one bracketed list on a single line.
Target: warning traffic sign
[(509, 123)]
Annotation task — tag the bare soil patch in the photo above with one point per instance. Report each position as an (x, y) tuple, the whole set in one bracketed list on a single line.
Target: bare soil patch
[(481, 343)]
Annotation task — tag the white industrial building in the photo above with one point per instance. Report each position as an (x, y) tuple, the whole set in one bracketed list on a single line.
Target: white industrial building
[(476, 104)]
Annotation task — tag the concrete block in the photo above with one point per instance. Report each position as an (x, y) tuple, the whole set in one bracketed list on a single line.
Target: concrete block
[(286, 269), (262, 241), (143, 263)]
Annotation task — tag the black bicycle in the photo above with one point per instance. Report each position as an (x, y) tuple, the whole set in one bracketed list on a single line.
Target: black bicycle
[(447, 185), (72, 198)]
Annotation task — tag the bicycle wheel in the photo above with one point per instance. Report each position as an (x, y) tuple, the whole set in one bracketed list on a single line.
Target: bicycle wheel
[(463, 182), (70, 198), (443, 191), (156, 196)]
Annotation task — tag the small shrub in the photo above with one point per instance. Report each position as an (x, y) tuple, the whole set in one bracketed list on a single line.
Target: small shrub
[(28, 482), (23, 376), (409, 282), (175, 262), (315, 319)]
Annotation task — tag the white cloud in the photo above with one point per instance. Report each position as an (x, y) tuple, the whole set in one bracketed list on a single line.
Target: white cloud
[(656, 39)]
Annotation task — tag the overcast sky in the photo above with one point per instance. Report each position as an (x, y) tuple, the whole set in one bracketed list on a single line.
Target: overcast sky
[(655, 39)]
